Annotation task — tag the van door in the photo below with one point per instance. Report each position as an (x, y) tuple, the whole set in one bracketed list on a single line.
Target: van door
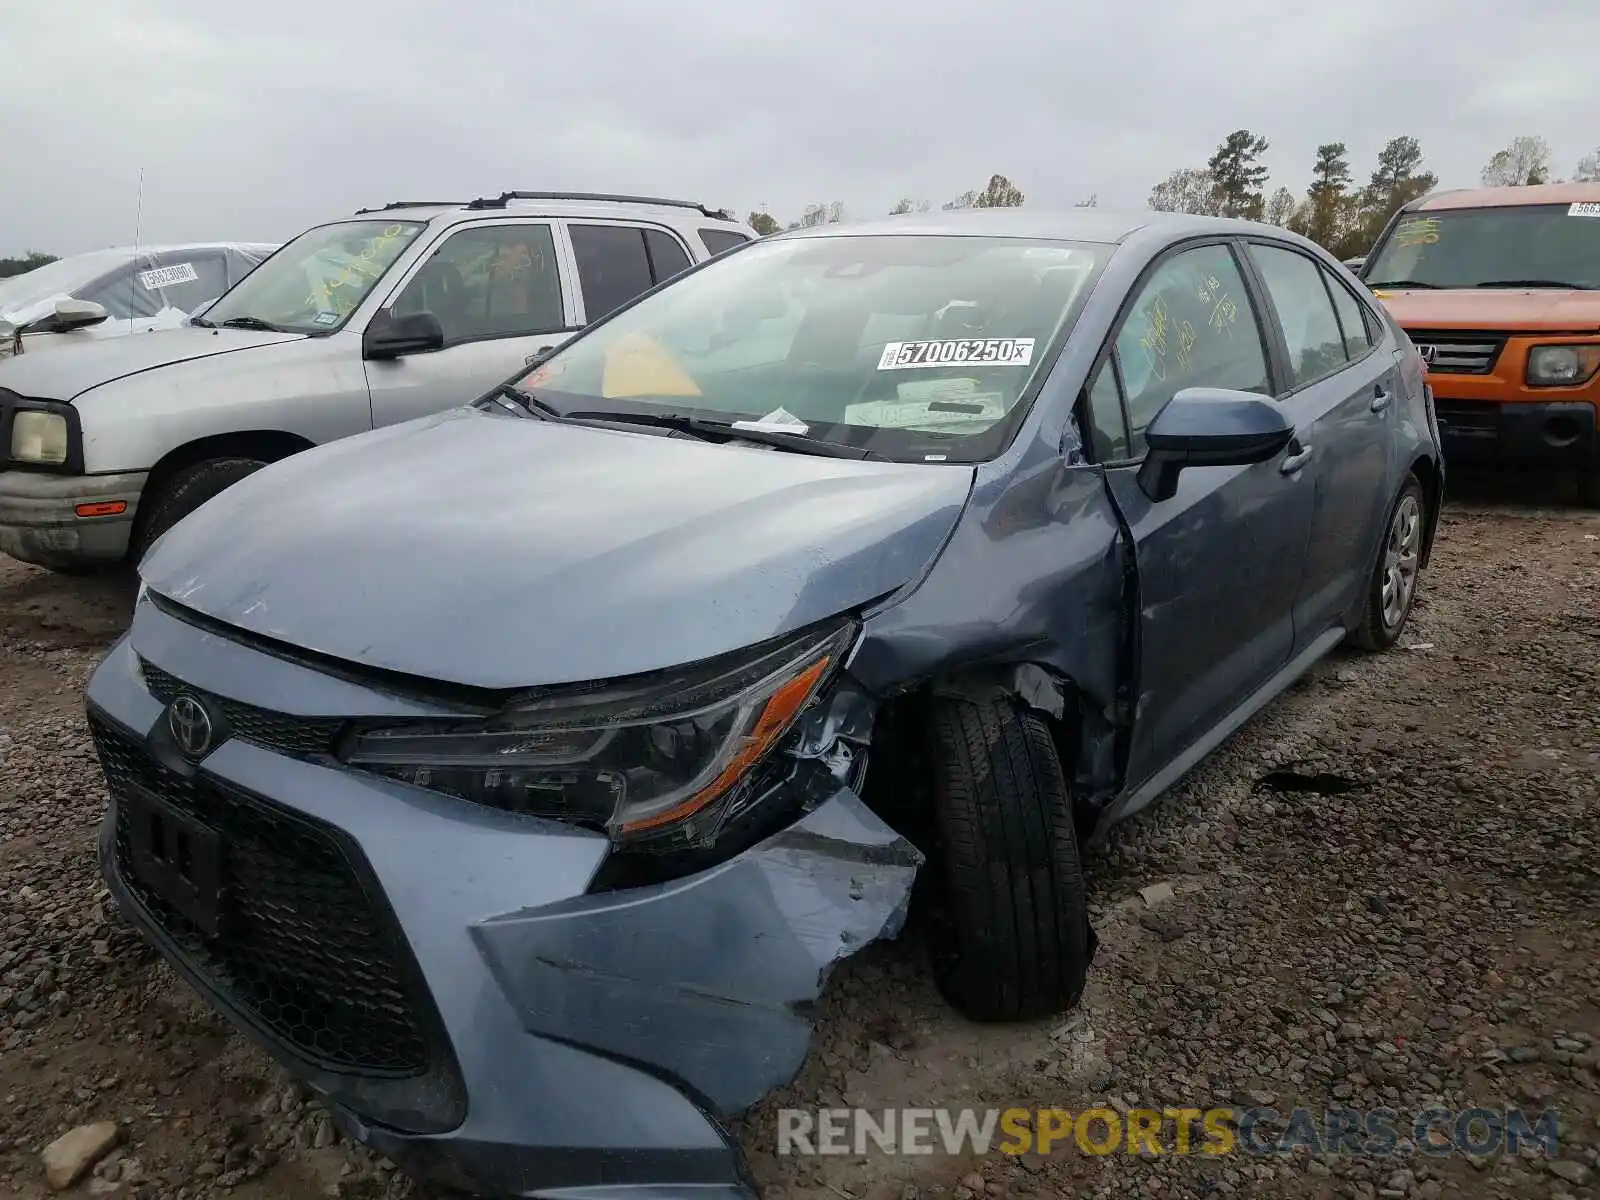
[(500, 295)]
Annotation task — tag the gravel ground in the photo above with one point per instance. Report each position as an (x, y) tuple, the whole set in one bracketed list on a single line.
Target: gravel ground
[(1421, 929)]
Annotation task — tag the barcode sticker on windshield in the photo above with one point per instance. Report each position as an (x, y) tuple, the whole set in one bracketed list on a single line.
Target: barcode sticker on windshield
[(167, 276), (990, 352), (1584, 208)]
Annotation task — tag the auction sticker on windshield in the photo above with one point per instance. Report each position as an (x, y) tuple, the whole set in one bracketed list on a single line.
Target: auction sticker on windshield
[(998, 352), (1584, 208), (162, 277)]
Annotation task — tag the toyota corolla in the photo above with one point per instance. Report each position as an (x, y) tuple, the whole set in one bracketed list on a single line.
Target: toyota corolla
[(515, 775)]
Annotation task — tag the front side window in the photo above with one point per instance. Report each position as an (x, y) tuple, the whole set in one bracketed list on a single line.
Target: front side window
[(1192, 325), (489, 282), (316, 281), (1108, 428), (1305, 313), (1525, 245), (915, 347)]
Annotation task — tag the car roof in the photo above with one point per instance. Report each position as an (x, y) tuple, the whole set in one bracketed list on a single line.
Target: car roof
[(1507, 197), (556, 204), (1076, 225)]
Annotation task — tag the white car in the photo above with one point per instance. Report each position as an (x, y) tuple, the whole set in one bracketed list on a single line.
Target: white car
[(108, 293)]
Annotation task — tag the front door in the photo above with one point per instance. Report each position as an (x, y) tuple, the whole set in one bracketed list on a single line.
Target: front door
[(1343, 393), (498, 292), (1219, 562)]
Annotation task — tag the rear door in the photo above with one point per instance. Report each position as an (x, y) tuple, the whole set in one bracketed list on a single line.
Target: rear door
[(1343, 396), (617, 260), (1219, 562), (502, 298)]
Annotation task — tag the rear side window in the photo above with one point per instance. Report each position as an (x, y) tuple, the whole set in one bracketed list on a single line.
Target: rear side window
[(666, 256), (718, 240), (1305, 311), (1352, 318), (613, 266)]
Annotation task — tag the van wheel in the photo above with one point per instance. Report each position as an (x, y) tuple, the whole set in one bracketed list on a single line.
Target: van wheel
[(1014, 941), (187, 491), (1392, 588)]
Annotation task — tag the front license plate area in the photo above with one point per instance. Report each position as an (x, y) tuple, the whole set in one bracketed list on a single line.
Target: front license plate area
[(177, 858)]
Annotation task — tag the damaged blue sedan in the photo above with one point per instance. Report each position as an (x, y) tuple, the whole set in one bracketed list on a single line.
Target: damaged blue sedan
[(516, 775)]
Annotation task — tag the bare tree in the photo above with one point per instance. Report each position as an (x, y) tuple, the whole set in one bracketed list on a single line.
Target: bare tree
[(1280, 207), (908, 205), (1187, 190), (1526, 161), (1588, 169), (1000, 193), (820, 214), (965, 200)]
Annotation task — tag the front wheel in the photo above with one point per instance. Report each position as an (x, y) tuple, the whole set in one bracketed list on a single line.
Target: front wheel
[(1392, 590), (187, 491), (1015, 941)]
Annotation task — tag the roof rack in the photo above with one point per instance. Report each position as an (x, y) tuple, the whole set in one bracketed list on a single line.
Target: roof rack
[(394, 204), (501, 200)]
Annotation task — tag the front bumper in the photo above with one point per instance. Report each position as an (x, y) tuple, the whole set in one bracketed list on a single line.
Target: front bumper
[(1514, 433), (39, 522), (536, 1036)]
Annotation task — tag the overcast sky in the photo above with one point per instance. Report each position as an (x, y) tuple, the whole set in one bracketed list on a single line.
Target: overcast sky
[(253, 121)]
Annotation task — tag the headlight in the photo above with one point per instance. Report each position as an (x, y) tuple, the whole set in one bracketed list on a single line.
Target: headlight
[(668, 757), (39, 437), (1562, 366)]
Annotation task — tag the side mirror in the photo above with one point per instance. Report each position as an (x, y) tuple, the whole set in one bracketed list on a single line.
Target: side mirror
[(1210, 427), (69, 314), (390, 336)]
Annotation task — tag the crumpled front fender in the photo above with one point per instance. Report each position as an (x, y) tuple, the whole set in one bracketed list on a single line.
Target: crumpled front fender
[(704, 980)]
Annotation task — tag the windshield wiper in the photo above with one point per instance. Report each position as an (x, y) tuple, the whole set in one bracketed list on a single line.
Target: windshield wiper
[(251, 323), (1402, 283), (201, 322), (1533, 283), (707, 430), (527, 404)]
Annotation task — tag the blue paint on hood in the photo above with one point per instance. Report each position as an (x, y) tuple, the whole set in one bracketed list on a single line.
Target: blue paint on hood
[(495, 552)]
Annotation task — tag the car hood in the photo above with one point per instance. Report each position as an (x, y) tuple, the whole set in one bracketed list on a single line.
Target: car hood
[(68, 376), (1531, 309), (495, 552)]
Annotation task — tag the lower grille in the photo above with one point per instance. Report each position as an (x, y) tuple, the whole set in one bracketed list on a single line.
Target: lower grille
[(1456, 353), (307, 954)]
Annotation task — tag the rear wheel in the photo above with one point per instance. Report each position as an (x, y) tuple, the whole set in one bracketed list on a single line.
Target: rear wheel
[(1392, 590), (1014, 942), (187, 491)]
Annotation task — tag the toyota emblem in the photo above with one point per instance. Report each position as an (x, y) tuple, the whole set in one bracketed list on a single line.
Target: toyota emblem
[(190, 726)]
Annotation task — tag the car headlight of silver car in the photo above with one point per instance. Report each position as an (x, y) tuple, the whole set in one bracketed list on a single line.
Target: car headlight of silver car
[(39, 437), (1562, 366), (660, 759)]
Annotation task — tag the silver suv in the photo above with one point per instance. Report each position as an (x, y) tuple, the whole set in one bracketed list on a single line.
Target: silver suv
[(394, 313)]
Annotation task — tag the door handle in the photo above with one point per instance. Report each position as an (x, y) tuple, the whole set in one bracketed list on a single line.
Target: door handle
[(1295, 461), (1381, 398)]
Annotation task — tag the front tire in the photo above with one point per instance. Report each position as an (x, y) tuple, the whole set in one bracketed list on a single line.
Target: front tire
[(187, 491), (1014, 942), (1392, 589)]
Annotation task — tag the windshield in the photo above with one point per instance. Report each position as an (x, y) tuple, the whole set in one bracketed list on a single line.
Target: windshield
[(316, 281), (1533, 245), (912, 347), (60, 278)]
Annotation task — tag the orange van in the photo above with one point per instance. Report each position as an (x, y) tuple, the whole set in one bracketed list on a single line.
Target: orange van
[(1500, 290)]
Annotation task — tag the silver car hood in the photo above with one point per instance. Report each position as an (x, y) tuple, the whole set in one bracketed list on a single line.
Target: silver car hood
[(494, 552), (103, 360)]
